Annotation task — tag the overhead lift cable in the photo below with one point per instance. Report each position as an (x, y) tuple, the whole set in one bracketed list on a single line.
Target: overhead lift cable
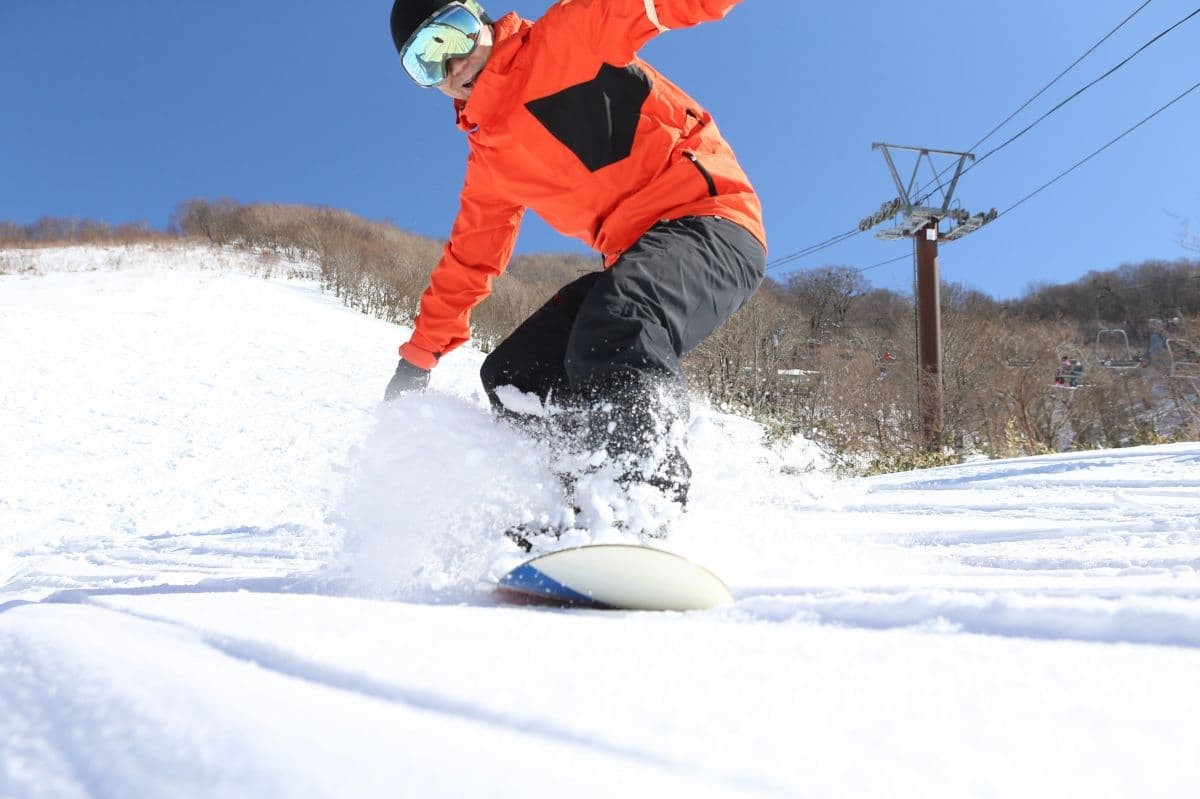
[(815, 248), (1083, 161), (1076, 94), (1066, 172), (839, 238), (906, 257), (812, 249), (1057, 78)]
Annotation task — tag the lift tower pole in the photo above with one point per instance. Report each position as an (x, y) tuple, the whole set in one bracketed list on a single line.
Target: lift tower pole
[(922, 223), (929, 334)]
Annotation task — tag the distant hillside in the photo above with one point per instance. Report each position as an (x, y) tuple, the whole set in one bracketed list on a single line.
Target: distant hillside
[(820, 352)]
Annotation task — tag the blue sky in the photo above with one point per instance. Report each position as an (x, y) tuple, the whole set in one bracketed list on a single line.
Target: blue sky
[(121, 110)]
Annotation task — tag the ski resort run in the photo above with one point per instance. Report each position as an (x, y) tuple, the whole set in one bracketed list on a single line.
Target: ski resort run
[(227, 570)]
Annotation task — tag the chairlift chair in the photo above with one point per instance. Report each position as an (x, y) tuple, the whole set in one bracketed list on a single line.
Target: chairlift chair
[(1019, 362), (1016, 356), (1068, 375), (1185, 358), (1119, 345)]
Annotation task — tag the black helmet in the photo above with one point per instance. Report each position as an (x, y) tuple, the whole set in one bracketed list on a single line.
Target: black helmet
[(407, 15)]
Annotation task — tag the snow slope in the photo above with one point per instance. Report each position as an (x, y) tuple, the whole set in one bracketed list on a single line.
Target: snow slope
[(225, 571)]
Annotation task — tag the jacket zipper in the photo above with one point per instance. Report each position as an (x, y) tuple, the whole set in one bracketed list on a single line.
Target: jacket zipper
[(712, 186)]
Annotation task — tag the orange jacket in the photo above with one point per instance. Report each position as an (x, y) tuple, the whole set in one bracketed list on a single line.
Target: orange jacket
[(567, 121)]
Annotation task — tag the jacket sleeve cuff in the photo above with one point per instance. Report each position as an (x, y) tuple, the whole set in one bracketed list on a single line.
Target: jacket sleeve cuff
[(417, 356)]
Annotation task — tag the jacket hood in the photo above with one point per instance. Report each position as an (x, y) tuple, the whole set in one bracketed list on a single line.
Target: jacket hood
[(507, 34)]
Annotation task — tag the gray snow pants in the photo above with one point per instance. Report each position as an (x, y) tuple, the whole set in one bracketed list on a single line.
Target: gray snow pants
[(609, 343)]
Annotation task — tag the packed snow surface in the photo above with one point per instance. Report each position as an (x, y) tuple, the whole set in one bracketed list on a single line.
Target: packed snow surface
[(225, 570)]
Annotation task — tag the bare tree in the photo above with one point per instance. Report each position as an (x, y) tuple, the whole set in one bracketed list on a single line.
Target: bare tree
[(826, 297)]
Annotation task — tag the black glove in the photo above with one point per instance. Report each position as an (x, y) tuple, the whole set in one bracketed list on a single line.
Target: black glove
[(407, 378)]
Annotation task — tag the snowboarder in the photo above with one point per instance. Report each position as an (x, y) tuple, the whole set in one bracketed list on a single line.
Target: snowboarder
[(563, 118)]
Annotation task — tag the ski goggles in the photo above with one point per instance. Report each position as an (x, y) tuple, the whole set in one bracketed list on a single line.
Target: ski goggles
[(452, 32)]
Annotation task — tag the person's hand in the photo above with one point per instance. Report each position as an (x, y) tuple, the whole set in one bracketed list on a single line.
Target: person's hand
[(407, 378)]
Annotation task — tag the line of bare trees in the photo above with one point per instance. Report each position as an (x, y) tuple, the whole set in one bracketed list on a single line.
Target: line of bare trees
[(373, 267), (52, 230), (824, 354), (821, 353)]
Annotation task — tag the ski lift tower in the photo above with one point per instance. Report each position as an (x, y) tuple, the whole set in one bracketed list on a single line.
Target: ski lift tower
[(922, 222)]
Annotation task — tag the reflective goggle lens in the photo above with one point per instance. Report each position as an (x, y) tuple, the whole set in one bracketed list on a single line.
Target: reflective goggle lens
[(453, 32)]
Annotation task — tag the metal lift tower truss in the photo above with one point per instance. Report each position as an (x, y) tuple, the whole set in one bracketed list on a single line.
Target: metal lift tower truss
[(915, 215), (922, 223)]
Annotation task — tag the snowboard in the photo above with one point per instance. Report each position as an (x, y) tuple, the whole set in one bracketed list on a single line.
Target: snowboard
[(614, 577)]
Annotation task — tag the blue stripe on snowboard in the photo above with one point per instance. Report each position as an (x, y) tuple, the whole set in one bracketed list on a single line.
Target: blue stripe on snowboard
[(528, 580)]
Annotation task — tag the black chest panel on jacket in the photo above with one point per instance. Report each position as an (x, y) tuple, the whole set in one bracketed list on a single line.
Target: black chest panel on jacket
[(597, 119)]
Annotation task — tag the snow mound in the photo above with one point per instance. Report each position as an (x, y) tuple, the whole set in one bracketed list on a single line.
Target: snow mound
[(202, 504), (116, 257)]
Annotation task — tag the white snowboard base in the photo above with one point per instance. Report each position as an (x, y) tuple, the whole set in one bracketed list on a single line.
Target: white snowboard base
[(617, 577)]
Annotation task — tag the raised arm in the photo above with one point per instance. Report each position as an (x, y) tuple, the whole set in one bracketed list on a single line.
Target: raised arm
[(617, 29)]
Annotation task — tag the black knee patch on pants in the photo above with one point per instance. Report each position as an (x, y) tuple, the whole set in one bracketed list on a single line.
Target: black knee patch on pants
[(616, 337)]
